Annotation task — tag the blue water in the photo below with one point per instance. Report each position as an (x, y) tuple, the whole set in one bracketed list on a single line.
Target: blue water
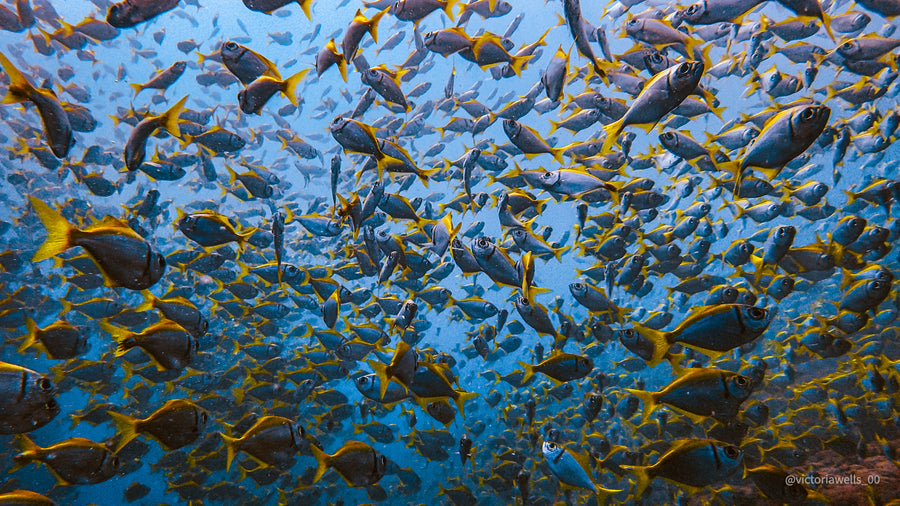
[(446, 331)]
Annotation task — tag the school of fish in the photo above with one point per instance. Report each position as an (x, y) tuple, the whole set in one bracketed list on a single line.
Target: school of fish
[(483, 252)]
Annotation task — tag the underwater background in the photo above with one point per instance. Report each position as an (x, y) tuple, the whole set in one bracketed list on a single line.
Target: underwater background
[(823, 376)]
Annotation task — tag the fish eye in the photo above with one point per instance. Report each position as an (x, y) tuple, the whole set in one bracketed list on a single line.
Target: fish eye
[(732, 452), (230, 45), (552, 446), (757, 313), (578, 286), (847, 45), (372, 72), (160, 260), (876, 285), (741, 380), (684, 69), (363, 380), (807, 114), (692, 9), (45, 384), (730, 292), (629, 333), (51, 405)]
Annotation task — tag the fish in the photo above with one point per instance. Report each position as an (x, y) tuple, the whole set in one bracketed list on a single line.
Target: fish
[(701, 391), (168, 344), (75, 461), (356, 462), (694, 462), (573, 470), (29, 397), (271, 441), (735, 324), (176, 424), (56, 125), (124, 258), (659, 96)]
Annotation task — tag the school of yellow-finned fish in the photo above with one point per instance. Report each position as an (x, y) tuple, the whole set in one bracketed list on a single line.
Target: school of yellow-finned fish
[(449, 252)]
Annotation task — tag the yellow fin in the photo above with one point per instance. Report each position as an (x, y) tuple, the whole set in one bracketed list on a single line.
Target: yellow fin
[(59, 231)]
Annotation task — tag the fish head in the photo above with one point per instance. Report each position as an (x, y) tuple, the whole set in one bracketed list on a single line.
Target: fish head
[(549, 178), (686, 76), (731, 456), (511, 127), (156, 266), (482, 247), (519, 236), (694, 12), (740, 386), (552, 451), (756, 318), (636, 343), (809, 122), (232, 51), (367, 384), (121, 14), (634, 26), (656, 61)]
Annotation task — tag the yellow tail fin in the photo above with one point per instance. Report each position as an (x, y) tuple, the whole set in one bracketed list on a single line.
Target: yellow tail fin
[(59, 231), (642, 474), (19, 87), (649, 399), (290, 86), (322, 459), (612, 132), (170, 117), (126, 426), (231, 449)]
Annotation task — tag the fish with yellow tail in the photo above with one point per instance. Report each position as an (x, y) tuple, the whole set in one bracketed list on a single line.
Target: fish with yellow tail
[(573, 470), (660, 95), (124, 257)]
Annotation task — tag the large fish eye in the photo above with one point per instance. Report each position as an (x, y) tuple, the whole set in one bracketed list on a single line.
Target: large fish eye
[(372, 73), (578, 286), (692, 9), (684, 69), (518, 232), (551, 446), (363, 380), (741, 380), (732, 452), (876, 285), (160, 260), (656, 57), (807, 114), (847, 45), (757, 313), (730, 292), (629, 333), (203, 417), (230, 45), (667, 136), (45, 384)]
